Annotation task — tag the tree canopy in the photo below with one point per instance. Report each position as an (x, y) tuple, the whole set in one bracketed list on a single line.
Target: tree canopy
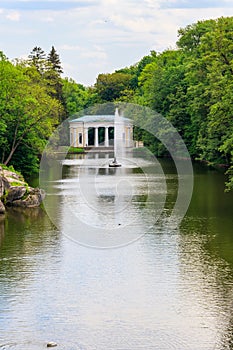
[(191, 86)]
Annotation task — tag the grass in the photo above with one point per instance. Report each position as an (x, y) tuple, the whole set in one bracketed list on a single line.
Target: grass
[(76, 150)]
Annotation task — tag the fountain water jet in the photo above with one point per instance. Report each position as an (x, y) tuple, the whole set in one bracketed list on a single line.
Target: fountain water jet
[(118, 141)]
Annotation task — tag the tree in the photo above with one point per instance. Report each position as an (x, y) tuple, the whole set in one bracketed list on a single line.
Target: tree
[(37, 58), (28, 115), (210, 81), (162, 83), (76, 96), (111, 86), (54, 60)]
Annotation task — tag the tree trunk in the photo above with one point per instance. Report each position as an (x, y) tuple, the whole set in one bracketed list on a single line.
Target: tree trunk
[(10, 155)]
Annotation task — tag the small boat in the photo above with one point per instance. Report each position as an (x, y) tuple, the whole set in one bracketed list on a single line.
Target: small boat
[(114, 164)]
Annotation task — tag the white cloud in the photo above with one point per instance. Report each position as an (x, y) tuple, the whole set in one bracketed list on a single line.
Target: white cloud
[(70, 47), (136, 25), (95, 53), (193, 4), (13, 16), (105, 36), (48, 19)]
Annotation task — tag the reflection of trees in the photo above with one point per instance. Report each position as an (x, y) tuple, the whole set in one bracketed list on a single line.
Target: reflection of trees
[(210, 276), (2, 219), (205, 246), (28, 233)]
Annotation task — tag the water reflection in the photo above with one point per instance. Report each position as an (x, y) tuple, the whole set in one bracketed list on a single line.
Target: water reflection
[(25, 233), (2, 228), (205, 249), (105, 207), (172, 289)]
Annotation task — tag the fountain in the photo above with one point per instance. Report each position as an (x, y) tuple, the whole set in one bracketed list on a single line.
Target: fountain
[(118, 141)]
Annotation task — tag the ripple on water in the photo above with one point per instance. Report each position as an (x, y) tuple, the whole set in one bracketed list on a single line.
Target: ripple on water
[(36, 345), (166, 341)]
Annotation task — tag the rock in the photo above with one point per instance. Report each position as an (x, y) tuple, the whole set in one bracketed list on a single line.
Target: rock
[(12, 176), (33, 199), (6, 183), (2, 208), (14, 193), (2, 187)]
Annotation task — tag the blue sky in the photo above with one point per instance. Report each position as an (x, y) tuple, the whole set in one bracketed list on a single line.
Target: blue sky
[(99, 36)]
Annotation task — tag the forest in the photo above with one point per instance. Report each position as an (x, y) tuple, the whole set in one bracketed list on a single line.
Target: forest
[(191, 85)]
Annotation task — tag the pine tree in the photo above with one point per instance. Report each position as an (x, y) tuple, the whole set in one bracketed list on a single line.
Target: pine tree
[(54, 60), (37, 58)]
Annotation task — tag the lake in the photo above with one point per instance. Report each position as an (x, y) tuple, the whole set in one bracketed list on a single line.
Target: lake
[(129, 282)]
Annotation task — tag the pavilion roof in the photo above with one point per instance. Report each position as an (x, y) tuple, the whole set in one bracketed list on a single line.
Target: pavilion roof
[(97, 118)]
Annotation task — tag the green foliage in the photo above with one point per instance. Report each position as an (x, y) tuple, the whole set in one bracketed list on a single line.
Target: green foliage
[(229, 184), (37, 58), (49, 71), (28, 115), (54, 60), (12, 169), (76, 150), (110, 87), (16, 183), (76, 96), (34, 99), (191, 86)]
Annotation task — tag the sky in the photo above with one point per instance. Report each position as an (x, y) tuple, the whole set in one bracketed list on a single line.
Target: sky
[(99, 36)]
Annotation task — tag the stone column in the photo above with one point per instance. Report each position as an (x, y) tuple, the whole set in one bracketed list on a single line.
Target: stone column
[(106, 140), (129, 137), (74, 138), (86, 137), (71, 137), (96, 137)]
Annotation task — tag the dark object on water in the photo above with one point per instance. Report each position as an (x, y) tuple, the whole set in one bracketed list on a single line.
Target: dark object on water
[(114, 164), (51, 344)]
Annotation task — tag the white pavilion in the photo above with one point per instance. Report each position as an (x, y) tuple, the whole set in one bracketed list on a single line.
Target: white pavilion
[(98, 131)]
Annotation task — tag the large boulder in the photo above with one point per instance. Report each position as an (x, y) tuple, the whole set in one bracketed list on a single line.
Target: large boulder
[(32, 199), (15, 192), (11, 176)]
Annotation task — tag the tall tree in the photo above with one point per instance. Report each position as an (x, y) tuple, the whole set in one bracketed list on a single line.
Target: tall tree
[(54, 80), (54, 60), (37, 58)]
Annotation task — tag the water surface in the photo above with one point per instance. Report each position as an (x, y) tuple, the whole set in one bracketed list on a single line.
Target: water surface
[(169, 289)]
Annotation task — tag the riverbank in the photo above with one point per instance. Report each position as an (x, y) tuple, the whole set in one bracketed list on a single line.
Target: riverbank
[(15, 191)]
